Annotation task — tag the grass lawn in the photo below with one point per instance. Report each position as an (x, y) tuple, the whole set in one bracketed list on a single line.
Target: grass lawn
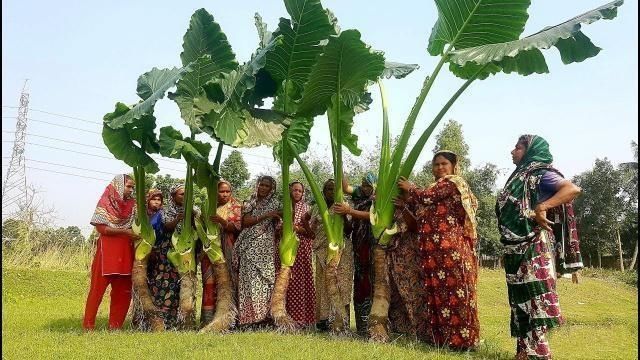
[(42, 312)]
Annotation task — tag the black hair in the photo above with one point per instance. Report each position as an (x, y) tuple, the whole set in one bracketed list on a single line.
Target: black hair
[(453, 158)]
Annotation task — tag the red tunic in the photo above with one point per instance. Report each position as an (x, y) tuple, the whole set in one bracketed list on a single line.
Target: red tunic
[(449, 269), (114, 253)]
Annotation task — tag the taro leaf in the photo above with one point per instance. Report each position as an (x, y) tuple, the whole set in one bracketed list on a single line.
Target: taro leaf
[(173, 145), (206, 47), (264, 34), (292, 59), (344, 69), (132, 142), (345, 120), (397, 70), (469, 23), (298, 136), (225, 115), (524, 56), (152, 86)]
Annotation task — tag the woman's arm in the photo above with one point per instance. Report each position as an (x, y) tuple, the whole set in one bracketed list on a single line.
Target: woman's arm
[(567, 191), (345, 209), (110, 231), (249, 220), (171, 225), (305, 229)]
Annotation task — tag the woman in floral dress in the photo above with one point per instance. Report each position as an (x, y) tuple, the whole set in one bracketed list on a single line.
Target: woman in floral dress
[(254, 253), (228, 216), (445, 213)]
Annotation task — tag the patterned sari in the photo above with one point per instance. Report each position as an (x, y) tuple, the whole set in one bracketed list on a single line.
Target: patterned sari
[(446, 231), (406, 299), (530, 252), (301, 294), (254, 257), (231, 211)]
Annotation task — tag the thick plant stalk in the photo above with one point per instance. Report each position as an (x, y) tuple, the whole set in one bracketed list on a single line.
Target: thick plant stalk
[(288, 248), (186, 314), (331, 281), (282, 320), (186, 239), (379, 315), (143, 249), (225, 309), (141, 290)]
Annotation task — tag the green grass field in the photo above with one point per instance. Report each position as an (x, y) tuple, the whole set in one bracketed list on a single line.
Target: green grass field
[(42, 313)]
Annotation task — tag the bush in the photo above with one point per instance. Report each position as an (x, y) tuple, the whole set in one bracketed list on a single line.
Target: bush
[(629, 277)]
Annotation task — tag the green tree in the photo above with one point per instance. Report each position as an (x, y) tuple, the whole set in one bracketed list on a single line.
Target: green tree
[(482, 181), (629, 231), (600, 209), (451, 138), (234, 169)]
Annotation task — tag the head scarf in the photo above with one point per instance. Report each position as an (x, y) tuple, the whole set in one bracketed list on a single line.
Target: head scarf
[(173, 209), (150, 195), (267, 201), (301, 208), (520, 193), (226, 210), (112, 209), (371, 179)]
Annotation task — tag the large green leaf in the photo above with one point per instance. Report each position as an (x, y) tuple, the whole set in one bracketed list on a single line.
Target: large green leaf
[(345, 68), (341, 115), (468, 23), (292, 59), (524, 56), (225, 114), (205, 46), (152, 86), (398, 70), (133, 141), (298, 137), (174, 145)]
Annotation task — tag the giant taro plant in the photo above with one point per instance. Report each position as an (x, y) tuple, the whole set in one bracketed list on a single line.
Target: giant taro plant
[(476, 38)]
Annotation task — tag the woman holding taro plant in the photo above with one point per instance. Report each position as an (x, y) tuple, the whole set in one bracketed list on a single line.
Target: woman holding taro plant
[(445, 213), (113, 261), (255, 253), (363, 242), (301, 294), (155, 266), (345, 266), (228, 216)]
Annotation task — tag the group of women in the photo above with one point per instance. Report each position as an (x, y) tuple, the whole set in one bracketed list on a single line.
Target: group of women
[(432, 261)]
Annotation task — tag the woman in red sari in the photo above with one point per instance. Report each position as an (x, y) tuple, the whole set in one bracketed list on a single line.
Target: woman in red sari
[(113, 261), (445, 213), (228, 216), (301, 295)]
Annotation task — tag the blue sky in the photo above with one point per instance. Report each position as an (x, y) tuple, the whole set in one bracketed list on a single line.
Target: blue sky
[(81, 57)]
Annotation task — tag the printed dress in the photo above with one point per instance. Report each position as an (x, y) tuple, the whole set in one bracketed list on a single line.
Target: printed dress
[(449, 268)]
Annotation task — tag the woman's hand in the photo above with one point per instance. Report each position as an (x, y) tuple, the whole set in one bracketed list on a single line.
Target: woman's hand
[(405, 185), (398, 202), (541, 216), (341, 208), (132, 235), (218, 219)]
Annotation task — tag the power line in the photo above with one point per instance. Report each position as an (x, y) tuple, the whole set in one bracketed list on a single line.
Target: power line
[(72, 167), (65, 126), (61, 115), (64, 173)]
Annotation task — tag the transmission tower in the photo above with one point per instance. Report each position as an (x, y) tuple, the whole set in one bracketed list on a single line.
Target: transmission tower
[(14, 187)]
